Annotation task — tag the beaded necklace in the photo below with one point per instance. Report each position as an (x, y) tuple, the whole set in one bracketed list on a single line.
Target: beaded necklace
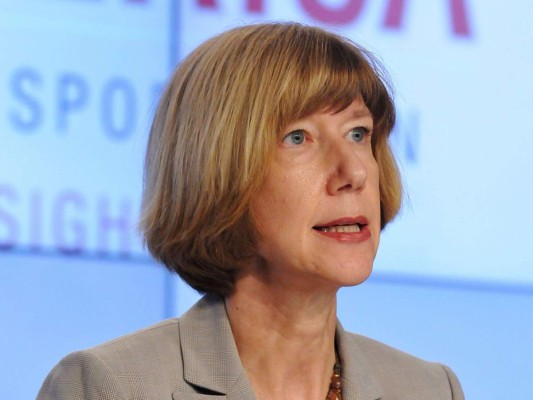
[(335, 386)]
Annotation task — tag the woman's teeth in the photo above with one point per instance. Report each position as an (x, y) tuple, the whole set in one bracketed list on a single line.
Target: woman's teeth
[(341, 228)]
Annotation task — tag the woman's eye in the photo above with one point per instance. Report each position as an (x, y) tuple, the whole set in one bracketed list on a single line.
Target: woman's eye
[(358, 134), (295, 137)]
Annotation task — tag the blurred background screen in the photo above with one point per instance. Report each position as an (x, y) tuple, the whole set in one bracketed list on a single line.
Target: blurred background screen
[(79, 81)]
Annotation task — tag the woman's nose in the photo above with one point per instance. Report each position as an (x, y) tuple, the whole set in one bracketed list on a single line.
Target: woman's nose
[(349, 172)]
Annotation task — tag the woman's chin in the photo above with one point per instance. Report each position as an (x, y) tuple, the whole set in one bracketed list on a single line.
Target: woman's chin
[(353, 276)]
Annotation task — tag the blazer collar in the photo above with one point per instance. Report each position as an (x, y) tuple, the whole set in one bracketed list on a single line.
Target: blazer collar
[(211, 360), (357, 382), (210, 357)]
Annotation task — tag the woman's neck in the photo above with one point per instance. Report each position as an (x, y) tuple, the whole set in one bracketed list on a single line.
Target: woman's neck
[(285, 338)]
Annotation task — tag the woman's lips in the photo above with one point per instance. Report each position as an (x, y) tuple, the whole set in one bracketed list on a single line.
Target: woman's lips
[(345, 229)]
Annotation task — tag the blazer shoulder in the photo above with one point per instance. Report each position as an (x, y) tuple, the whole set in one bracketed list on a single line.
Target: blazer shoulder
[(153, 350), (398, 370), (381, 352), (145, 362), (160, 336)]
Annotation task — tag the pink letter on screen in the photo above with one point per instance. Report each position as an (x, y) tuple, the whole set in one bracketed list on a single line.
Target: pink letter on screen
[(460, 24), (251, 5), (333, 15), (395, 13), (207, 3)]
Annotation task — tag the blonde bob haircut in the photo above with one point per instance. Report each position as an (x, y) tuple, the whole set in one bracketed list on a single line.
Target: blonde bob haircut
[(215, 129)]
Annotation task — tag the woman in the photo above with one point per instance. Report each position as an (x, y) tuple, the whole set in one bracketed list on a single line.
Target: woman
[(268, 180)]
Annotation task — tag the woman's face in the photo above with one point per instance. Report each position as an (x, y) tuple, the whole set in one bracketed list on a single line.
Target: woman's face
[(318, 213)]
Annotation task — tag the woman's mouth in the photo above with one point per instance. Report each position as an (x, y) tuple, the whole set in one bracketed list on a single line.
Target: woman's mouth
[(345, 229), (349, 228)]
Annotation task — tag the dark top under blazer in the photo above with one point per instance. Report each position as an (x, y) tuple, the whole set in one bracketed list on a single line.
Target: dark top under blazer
[(195, 358)]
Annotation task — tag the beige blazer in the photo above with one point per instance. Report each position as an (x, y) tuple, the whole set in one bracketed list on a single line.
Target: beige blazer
[(195, 358)]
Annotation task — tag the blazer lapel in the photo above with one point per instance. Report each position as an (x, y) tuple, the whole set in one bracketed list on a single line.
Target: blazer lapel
[(211, 361), (210, 358), (357, 383)]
